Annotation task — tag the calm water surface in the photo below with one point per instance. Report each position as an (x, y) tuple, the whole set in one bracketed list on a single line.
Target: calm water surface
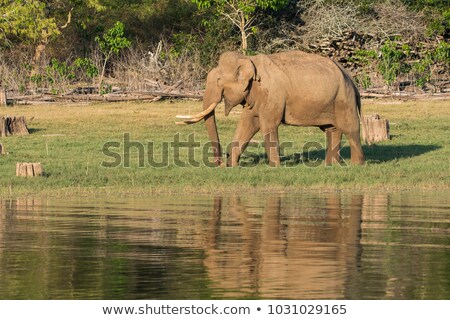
[(304, 246)]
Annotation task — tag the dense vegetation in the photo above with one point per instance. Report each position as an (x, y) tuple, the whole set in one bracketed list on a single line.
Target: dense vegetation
[(137, 43)]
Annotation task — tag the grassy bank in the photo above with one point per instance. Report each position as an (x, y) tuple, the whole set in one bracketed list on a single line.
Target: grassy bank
[(70, 141)]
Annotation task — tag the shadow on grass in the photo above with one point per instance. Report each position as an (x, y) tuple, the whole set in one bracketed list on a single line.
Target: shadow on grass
[(34, 130), (385, 153), (374, 153)]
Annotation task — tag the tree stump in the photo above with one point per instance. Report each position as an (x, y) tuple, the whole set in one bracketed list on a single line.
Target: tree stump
[(2, 150), (26, 169), (3, 100), (13, 126), (376, 127)]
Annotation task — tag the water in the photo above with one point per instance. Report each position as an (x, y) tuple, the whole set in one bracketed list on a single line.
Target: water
[(303, 246)]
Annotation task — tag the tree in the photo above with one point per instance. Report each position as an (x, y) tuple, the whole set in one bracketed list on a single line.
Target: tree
[(112, 41), (241, 13), (26, 21)]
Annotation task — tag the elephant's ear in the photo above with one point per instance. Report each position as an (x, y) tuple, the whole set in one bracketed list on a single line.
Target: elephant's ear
[(246, 72)]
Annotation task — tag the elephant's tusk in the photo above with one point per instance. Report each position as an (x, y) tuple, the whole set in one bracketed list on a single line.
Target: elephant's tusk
[(197, 117), (189, 121)]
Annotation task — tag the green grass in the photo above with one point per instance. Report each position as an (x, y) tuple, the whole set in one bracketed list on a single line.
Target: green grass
[(68, 140)]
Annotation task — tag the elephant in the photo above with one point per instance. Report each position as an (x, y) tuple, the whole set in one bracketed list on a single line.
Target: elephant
[(292, 88)]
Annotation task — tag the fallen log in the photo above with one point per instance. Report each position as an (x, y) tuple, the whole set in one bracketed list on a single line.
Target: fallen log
[(144, 96), (405, 95), (25, 169)]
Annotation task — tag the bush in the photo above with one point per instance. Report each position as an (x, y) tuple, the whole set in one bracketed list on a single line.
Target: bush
[(392, 61)]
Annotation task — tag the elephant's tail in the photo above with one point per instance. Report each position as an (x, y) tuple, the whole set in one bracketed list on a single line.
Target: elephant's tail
[(361, 117)]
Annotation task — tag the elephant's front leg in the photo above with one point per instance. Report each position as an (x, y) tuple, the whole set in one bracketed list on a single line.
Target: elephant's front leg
[(271, 145), (247, 127)]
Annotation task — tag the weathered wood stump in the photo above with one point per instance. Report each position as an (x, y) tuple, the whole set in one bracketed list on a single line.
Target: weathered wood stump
[(3, 100), (13, 126), (375, 129), (25, 169)]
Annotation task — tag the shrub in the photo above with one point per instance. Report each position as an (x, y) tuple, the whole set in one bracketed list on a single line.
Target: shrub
[(392, 61)]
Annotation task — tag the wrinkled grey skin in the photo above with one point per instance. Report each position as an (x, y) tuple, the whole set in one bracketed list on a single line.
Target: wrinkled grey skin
[(293, 88)]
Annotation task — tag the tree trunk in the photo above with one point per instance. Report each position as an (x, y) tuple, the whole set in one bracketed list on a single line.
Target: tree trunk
[(377, 129), (243, 34), (36, 61), (26, 169), (102, 75)]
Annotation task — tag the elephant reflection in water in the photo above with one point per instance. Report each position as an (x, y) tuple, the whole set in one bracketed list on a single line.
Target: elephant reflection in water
[(283, 252)]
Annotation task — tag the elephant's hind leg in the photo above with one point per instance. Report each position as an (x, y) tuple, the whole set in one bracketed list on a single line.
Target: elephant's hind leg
[(334, 137), (347, 121), (357, 155)]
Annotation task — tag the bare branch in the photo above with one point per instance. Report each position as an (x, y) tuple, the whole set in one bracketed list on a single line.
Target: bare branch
[(69, 19)]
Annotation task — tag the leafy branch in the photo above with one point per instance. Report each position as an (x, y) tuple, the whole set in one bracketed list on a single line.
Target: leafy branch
[(112, 41)]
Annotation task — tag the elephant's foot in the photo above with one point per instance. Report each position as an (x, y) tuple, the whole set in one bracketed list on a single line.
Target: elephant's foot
[(275, 163), (358, 159), (332, 161), (232, 161), (332, 158), (218, 162)]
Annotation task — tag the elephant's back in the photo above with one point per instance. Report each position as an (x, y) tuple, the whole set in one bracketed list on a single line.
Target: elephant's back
[(309, 67), (297, 56)]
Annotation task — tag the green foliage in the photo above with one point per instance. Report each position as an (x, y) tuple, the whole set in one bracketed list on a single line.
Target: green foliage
[(36, 79), (442, 53), (423, 69), (58, 75), (246, 6), (199, 30), (26, 21), (58, 71), (363, 57), (182, 42), (87, 66), (241, 13), (392, 61), (364, 80), (437, 12), (113, 40)]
